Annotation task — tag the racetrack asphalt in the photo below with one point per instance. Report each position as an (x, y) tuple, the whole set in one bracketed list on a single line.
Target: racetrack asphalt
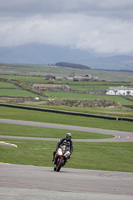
[(119, 136), (39, 183)]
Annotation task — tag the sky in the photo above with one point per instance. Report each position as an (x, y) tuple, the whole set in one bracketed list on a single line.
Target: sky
[(101, 26)]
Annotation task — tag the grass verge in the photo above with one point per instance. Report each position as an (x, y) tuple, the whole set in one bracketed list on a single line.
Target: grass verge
[(94, 156), (38, 116), (30, 131)]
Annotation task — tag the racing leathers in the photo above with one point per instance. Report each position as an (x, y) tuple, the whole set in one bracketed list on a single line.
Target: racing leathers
[(68, 143)]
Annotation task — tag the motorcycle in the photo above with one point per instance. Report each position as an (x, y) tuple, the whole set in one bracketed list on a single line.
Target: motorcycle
[(61, 157)]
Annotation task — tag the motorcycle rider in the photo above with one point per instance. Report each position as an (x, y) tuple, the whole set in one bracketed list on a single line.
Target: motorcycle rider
[(67, 140)]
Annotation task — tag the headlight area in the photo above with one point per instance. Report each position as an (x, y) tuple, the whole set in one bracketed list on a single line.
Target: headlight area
[(59, 152)]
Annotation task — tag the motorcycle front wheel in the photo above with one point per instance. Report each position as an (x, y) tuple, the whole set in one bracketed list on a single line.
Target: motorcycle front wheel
[(59, 165)]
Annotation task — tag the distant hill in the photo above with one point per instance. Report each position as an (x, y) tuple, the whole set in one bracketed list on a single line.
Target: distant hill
[(48, 54), (72, 65), (42, 54)]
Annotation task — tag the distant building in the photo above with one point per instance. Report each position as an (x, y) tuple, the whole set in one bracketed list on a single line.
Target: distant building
[(86, 77), (49, 77), (77, 78), (69, 78), (95, 78), (120, 91), (59, 78), (38, 86)]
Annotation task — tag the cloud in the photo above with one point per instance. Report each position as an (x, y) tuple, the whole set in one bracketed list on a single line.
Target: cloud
[(31, 7), (98, 25)]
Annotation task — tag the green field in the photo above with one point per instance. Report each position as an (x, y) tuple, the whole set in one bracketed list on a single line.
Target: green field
[(16, 93), (38, 116), (96, 156), (6, 85), (96, 86), (13, 91), (30, 131), (10, 89), (78, 96), (119, 112), (41, 70), (92, 85)]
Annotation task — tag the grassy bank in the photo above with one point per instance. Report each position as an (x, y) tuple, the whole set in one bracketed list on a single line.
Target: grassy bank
[(119, 112), (78, 96), (41, 70), (38, 116), (30, 131), (95, 156)]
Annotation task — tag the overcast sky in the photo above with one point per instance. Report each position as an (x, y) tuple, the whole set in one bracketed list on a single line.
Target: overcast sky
[(102, 26)]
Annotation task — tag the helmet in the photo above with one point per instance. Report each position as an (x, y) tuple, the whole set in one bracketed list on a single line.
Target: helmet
[(68, 136)]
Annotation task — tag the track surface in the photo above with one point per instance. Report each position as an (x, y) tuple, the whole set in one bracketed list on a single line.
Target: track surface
[(31, 183), (123, 134)]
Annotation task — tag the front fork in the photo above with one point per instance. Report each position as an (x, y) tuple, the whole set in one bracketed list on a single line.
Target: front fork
[(57, 159)]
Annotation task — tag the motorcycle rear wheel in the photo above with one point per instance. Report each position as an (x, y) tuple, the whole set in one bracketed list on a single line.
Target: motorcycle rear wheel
[(59, 165)]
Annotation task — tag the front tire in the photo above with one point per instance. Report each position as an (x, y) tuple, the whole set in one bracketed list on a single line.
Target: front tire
[(59, 165), (54, 168)]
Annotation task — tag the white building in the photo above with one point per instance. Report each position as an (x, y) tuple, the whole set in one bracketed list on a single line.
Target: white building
[(69, 78), (120, 91), (86, 77)]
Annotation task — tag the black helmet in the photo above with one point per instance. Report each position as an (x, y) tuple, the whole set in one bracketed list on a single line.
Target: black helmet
[(68, 136)]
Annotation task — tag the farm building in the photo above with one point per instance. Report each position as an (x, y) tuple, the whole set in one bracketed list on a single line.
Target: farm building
[(120, 91), (38, 86), (86, 77), (49, 77)]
